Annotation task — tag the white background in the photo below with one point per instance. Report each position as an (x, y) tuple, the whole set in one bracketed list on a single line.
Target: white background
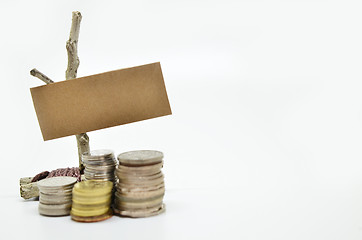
[(266, 134)]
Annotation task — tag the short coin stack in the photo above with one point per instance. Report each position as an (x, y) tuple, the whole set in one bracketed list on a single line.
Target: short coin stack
[(55, 195), (92, 201), (140, 187), (99, 165)]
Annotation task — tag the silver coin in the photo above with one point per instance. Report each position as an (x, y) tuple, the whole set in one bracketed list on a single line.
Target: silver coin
[(100, 178), (136, 175), (122, 205), (56, 190), (131, 188), (100, 162), (98, 154), (99, 165), (56, 184), (55, 199), (140, 157), (138, 178), (54, 210), (99, 173), (107, 168), (141, 194), (54, 213), (148, 212), (141, 168), (144, 183), (144, 198)]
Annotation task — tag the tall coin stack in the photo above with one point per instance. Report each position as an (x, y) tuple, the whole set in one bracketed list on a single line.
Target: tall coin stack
[(140, 186), (92, 201), (99, 165), (55, 195)]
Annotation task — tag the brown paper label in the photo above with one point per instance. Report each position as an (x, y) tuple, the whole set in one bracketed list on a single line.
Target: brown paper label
[(100, 101)]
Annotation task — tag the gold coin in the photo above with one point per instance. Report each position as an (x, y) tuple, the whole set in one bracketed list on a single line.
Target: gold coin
[(91, 199), (91, 206), (93, 218), (92, 188), (89, 213), (92, 202)]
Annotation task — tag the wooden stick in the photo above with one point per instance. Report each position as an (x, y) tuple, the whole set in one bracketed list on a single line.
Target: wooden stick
[(71, 72), (72, 47), (34, 72)]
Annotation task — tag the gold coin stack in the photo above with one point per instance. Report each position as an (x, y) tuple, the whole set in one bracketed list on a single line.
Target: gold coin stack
[(91, 201), (140, 186)]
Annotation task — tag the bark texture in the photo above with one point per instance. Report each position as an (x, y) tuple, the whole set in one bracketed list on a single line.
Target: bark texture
[(34, 72), (71, 72), (28, 189)]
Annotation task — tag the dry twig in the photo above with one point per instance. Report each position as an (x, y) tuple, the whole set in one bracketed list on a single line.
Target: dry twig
[(71, 72)]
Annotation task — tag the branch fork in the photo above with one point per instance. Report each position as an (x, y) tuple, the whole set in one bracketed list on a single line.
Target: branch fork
[(70, 73)]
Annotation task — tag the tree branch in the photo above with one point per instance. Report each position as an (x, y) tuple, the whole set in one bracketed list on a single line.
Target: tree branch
[(72, 47), (29, 189), (34, 72), (71, 72)]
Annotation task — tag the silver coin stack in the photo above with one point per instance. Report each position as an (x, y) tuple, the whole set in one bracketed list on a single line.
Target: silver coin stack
[(99, 165), (55, 195), (140, 186)]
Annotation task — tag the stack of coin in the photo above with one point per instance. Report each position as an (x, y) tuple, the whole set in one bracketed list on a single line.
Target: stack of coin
[(55, 195), (99, 165), (92, 201), (140, 186)]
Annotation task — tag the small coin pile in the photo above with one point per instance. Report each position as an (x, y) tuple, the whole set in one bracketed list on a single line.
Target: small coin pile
[(55, 195), (99, 165), (92, 201), (140, 186)]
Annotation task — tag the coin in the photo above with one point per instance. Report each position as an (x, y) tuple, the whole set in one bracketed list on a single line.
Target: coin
[(143, 199), (90, 206), (140, 170), (54, 199), (143, 183), (93, 187), (140, 184), (91, 201), (93, 218), (89, 213), (148, 212), (140, 194), (123, 205), (55, 195), (56, 182), (140, 157), (140, 179), (99, 165), (54, 210), (129, 188)]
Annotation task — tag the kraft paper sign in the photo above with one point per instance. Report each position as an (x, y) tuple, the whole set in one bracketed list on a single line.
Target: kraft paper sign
[(100, 101)]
